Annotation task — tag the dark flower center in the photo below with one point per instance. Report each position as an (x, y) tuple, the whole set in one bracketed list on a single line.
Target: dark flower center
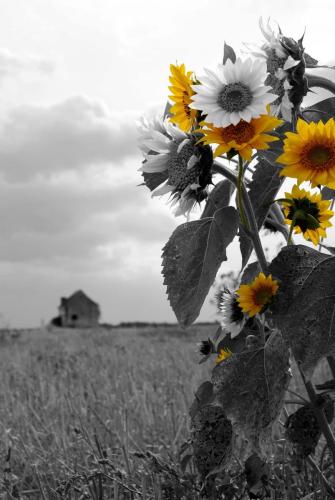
[(319, 155), (236, 312), (179, 175), (300, 209), (234, 97), (240, 133)]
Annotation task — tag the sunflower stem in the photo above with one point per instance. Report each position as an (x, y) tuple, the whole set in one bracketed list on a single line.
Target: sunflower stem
[(253, 233), (320, 415), (243, 217), (331, 363), (289, 239)]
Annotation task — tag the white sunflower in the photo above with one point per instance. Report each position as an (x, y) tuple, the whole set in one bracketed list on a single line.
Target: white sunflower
[(174, 163), (278, 63), (235, 92), (232, 317)]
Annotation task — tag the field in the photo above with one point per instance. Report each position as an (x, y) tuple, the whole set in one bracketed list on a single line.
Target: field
[(81, 408), (96, 414)]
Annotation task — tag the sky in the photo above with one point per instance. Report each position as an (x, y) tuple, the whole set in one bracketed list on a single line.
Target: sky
[(75, 75)]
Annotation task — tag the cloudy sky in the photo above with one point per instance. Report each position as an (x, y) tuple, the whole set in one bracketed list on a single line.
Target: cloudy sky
[(74, 77)]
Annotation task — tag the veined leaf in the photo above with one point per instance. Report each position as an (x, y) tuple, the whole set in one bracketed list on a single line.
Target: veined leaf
[(218, 198), (191, 260), (322, 110), (305, 307), (251, 386)]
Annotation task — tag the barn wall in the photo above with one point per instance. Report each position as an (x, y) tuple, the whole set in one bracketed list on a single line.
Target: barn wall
[(80, 312)]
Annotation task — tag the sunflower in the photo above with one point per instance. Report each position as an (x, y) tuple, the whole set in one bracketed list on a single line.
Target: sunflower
[(278, 62), (183, 116), (309, 154), (223, 355), (308, 213), (236, 92), (182, 167), (232, 317), (256, 296), (243, 137)]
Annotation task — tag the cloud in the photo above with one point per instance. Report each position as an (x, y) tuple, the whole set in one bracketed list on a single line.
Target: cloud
[(71, 218), (13, 64), (70, 135)]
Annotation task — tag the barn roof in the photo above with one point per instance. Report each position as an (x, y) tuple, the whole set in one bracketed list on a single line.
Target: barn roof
[(81, 294)]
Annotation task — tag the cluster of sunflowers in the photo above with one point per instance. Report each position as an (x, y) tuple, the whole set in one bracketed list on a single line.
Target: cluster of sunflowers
[(246, 122), (234, 112)]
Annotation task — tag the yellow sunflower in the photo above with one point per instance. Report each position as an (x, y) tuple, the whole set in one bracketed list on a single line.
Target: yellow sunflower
[(243, 137), (223, 355), (183, 116), (309, 212), (309, 154), (254, 297)]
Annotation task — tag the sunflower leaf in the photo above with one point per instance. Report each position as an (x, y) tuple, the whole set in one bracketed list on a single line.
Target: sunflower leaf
[(191, 260), (251, 386), (262, 191), (218, 198), (228, 53), (304, 308)]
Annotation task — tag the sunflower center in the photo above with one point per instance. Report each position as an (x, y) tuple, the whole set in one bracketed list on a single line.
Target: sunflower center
[(241, 133), (179, 175), (263, 296), (306, 214), (319, 155), (234, 97)]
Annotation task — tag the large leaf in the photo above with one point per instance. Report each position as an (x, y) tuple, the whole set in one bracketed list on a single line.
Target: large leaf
[(262, 191), (218, 198), (304, 309), (191, 260), (251, 385), (291, 268)]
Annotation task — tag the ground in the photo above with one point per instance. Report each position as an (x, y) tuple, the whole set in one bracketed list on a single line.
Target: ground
[(97, 414)]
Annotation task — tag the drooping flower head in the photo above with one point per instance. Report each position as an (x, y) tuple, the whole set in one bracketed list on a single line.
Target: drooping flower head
[(181, 92), (174, 163), (235, 92), (223, 355), (309, 153), (309, 212), (243, 137), (256, 296), (231, 314)]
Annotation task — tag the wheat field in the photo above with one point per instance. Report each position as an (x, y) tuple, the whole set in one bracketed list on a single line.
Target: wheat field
[(98, 414)]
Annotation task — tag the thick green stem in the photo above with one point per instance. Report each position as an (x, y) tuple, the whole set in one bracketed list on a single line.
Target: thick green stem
[(321, 418), (331, 363), (253, 233), (243, 217)]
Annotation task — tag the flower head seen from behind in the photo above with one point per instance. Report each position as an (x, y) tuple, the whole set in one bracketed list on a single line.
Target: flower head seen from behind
[(308, 212), (231, 316), (181, 92), (235, 92), (223, 355), (182, 166), (243, 137), (256, 296), (309, 153)]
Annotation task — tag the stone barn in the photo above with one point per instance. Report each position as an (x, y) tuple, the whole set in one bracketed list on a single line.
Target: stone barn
[(78, 310)]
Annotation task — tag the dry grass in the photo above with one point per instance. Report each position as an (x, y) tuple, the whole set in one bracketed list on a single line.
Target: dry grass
[(97, 414), (72, 399)]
